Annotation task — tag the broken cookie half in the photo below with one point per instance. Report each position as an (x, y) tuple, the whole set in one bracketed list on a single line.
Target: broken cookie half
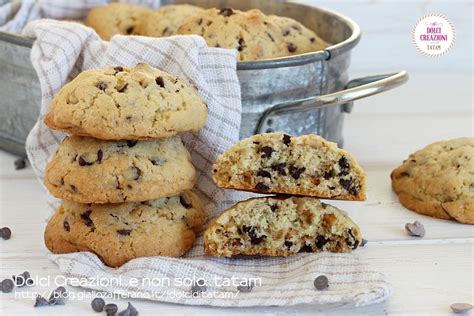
[(279, 163), (280, 226)]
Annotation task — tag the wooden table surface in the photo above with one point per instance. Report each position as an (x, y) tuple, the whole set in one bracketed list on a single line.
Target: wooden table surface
[(427, 274)]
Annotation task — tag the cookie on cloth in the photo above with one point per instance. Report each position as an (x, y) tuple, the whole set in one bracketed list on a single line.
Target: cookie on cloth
[(279, 163), (118, 103), (115, 18), (118, 233), (166, 20), (252, 33), (438, 180), (280, 226), (89, 170)]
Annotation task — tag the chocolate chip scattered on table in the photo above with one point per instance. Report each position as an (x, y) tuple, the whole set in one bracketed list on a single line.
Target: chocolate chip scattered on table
[(415, 229), (321, 282), (6, 233)]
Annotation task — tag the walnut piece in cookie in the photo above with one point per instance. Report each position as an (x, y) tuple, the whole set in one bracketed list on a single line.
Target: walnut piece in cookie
[(279, 163)]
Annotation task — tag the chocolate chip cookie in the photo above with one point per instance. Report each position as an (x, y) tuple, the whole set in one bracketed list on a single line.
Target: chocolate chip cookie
[(298, 38), (166, 20), (118, 233), (438, 180), (251, 33), (118, 103), (279, 163), (89, 170), (280, 226), (115, 18)]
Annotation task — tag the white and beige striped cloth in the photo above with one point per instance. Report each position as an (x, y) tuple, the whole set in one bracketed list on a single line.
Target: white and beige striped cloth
[(64, 49)]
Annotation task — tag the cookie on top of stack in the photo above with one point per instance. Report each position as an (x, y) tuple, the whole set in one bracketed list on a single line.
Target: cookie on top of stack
[(124, 173), (302, 169)]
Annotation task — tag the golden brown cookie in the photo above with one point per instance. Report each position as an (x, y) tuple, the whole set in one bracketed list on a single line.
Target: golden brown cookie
[(279, 163), (118, 103), (89, 170), (438, 180), (115, 18), (280, 226), (118, 233)]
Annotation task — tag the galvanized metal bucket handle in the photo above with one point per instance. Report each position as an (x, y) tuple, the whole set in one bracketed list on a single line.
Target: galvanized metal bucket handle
[(356, 89)]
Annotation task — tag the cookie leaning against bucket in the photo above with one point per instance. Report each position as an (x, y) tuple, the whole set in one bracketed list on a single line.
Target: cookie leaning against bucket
[(166, 20), (279, 163), (280, 226), (118, 103), (438, 180), (118, 233), (115, 18), (88, 170), (253, 35)]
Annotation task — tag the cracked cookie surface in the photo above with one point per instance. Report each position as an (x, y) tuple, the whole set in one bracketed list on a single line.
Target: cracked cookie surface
[(280, 226), (118, 103), (279, 163), (88, 170), (115, 18), (438, 180), (166, 20), (251, 33), (118, 233)]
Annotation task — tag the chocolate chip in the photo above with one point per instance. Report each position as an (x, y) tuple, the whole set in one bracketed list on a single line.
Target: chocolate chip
[(124, 232), (99, 156), (274, 207), (129, 311), (157, 161), (6, 233), (352, 242), (327, 175), (118, 69), (226, 11), (66, 226), (286, 32), (312, 39), (348, 184), (261, 187), (343, 163), (295, 172), (136, 173), (57, 296), (83, 162), (131, 143), (271, 37), (404, 174), (110, 309), (460, 308), (321, 241), (40, 301), (263, 173), (288, 244), (102, 86), (23, 279), (266, 151), (122, 88), (160, 81), (252, 233), (245, 288), (416, 229), (7, 286), (20, 163), (197, 288), (129, 30), (280, 168), (61, 181), (128, 117), (291, 47), (241, 45), (73, 188), (86, 218), (364, 242), (321, 283), (185, 200), (306, 248), (199, 22), (98, 304), (286, 139)]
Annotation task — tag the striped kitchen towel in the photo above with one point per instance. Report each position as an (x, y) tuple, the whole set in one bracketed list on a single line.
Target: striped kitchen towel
[(60, 52)]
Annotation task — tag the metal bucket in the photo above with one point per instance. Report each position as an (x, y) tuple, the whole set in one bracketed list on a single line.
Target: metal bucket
[(302, 94)]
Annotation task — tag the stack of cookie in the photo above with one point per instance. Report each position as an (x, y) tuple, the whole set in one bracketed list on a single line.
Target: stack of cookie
[(124, 175), (303, 168)]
